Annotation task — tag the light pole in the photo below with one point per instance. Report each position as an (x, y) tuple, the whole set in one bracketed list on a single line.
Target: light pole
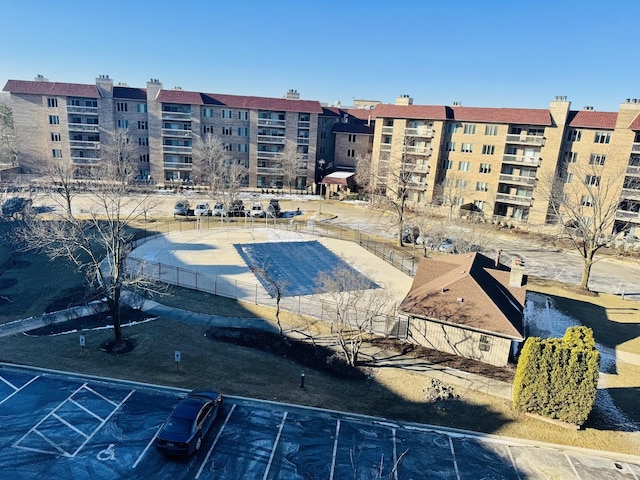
[(321, 163)]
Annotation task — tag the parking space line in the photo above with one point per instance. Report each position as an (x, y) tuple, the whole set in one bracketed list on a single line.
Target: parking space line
[(46, 439), (82, 407), (573, 467), (63, 421), (275, 445), (632, 472), (18, 390), (513, 462), (115, 404), (395, 454), (144, 452), (453, 454), (8, 383), (215, 441), (335, 451)]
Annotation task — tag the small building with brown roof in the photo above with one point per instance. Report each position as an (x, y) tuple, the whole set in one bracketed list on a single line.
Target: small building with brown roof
[(467, 305)]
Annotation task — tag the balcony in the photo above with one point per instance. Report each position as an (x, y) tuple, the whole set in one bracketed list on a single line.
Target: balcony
[(178, 165), (269, 122), (416, 167), (514, 199), (269, 171), (635, 148), (628, 216), (83, 110), (630, 193), (388, 130), (418, 132), (262, 154), (633, 170), (303, 140), (521, 160), (417, 150), (84, 127), (176, 116), (86, 145), (181, 149), (271, 139), (304, 124), (85, 161), (385, 147), (174, 132), (525, 139), (518, 180)]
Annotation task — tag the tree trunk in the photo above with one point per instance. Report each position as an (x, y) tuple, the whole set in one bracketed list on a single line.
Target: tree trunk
[(115, 314), (400, 227), (586, 271)]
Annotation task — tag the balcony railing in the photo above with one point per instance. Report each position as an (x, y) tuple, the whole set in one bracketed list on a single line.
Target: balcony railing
[(416, 167), (176, 115), (627, 215), (84, 144), (178, 165), (521, 159), (385, 147), (269, 170), (417, 150), (517, 179), (267, 154), (387, 130), (514, 199), (527, 139), (83, 127), (303, 140), (269, 122), (85, 110), (85, 161), (635, 148), (304, 124), (630, 193), (418, 132), (633, 170), (176, 149), (175, 132), (271, 139)]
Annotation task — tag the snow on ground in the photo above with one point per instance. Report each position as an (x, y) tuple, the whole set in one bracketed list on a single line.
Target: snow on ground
[(543, 320)]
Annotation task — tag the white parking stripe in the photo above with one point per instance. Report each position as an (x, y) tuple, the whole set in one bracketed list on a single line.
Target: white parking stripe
[(455, 462), (81, 407), (46, 439), (275, 445), (395, 454), (9, 383), (7, 398), (62, 420), (513, 462), (573, 467), (115, 404), (335, 450), (147, 447), (215, 441)]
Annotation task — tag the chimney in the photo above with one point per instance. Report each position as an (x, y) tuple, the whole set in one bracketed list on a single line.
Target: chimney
[(404, 99), (497, 260), (516, 278), (292, 94)]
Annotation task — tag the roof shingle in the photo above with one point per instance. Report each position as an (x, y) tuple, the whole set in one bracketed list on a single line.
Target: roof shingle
[(52, 88), (592, 119)]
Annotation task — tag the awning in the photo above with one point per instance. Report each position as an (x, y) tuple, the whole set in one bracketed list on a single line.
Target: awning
[(339, 178)]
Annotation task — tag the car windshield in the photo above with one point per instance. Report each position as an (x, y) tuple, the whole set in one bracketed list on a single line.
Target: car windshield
[(178, 425)]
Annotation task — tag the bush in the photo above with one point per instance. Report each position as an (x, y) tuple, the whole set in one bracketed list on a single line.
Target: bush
[(558, 377)]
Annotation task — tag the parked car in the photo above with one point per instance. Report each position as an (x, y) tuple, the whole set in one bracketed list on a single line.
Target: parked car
[(273, 210), (447, 246), (237, 209), (187, 426), (257, 210), (219, 210), (181, 207), (202, 210), (410, 234)]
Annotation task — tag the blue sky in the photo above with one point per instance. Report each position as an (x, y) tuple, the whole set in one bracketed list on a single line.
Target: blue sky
[(479, 52)]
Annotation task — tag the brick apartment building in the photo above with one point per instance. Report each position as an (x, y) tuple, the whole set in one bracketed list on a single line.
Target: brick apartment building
[(489, 158)]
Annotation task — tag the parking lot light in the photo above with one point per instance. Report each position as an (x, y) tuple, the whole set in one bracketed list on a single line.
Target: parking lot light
[(302, 379)]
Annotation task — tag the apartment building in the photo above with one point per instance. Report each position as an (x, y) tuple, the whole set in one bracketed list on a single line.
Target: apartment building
[(492, 160), (71, 121)]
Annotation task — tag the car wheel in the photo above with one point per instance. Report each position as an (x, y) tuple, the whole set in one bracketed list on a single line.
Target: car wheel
[(198, 443)]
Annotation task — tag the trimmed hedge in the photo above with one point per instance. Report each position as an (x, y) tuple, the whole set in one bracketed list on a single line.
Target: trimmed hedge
[(558, 377)]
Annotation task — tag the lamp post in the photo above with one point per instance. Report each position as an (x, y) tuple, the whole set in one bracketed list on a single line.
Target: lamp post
[(321, 163)]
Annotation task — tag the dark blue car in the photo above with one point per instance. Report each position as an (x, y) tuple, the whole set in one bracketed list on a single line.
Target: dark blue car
[(188, 424)]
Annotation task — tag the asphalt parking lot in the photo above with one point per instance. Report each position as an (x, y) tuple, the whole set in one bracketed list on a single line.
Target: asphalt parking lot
[(54, 425)]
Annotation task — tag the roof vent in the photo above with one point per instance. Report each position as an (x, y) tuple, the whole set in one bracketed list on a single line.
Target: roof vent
[(561, 98), (588, 107), (456, 104), (122, 84), (177, 88), (40, 78)]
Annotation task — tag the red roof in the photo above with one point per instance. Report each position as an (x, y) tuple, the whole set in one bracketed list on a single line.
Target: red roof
[(523, 116), (427, 112), (239, 101), (592, 119), (635, 125), (52, 88)]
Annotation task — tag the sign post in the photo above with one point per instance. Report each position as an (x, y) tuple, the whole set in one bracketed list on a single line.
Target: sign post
[(177, 358), (82, 343)]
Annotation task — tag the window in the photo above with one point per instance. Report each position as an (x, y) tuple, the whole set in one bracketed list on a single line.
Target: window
[(207, 129), (54, 120), (482, 187), (586, 201), (57, 153), (243, 147), (570, 157), (123, 123), (143, 125), (568, 177), (243, 115), (323, 135), (144, 158), (480, 204), (488, 149), (227, 147), (243, 132), (491, 130), (121, 106), (352, 138), (226, 113), (55, 137), (574, 135), (597, 159), (207, 112), (458, 201), (452, 127), (52, 102), (602, 137), (467, 148), (450, 147), (461, 184), (485, 343), (141, 108), (143, 141), (464, 166), (593, 180), (469, 128), (485, 168), (351, 153), (227, 131), (447, 164)]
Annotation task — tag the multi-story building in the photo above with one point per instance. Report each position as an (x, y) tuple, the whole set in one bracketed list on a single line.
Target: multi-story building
[(64, 120)]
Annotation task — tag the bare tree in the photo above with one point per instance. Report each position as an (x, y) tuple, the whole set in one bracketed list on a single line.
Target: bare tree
[(290, 163), (8, 151), (364, 173), (354, 305), (98, 241), (584, 198), (448, 192)]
